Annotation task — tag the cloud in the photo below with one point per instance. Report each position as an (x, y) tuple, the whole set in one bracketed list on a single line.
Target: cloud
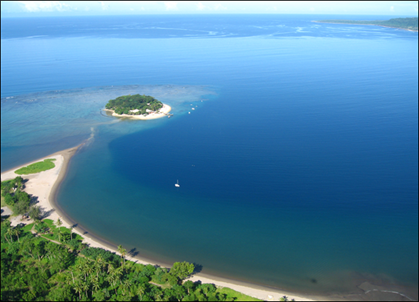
[(220, 7), (200, 6), (44, 6), (392, 8), (170, 5), (104, 5)]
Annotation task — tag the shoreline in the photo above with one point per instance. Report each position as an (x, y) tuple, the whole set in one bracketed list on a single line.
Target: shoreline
[(412, 30), (161, 113), (45, 185)]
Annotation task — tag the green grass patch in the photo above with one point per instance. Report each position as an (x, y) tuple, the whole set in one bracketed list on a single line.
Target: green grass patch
[(37, 167), (3, 203), (49, 223), (28, 227), (232, 295)]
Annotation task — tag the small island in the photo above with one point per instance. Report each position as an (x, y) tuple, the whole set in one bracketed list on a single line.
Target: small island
[(138, 106), (410, 24)]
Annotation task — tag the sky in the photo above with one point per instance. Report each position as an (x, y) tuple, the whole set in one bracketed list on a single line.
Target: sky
[(81, 8)]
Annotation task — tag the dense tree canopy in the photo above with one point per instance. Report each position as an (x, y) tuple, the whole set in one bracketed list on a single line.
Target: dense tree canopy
[(14, 197), (404, 23), (54, 265), (134, 104)]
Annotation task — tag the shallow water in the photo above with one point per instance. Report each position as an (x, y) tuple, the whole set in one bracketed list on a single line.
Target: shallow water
[(298, 171)]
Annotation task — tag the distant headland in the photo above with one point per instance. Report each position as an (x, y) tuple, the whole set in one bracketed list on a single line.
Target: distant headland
[(138, 106), (401, 23)]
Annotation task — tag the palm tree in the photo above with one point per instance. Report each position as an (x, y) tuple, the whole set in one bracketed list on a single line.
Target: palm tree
[(158, 296), (98, 265), (89, 268), (123, 252), (85, 287), (113, 274), (10, 233), (80, 268), (5, 235), (72, 275), (59, 223), (17, 231), (36, 223), (140, 290), (78, 288), (95, 285)]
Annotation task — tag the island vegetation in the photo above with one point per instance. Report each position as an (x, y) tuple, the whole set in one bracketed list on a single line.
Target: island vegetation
[(37, 167), (134, 104), (402, 23), (20, 202), (44, 261)]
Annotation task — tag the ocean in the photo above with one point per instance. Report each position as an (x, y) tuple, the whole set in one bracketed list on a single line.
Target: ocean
[(298, 165)]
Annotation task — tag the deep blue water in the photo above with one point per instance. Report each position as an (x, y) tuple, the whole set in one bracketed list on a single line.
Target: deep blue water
[(299, 165)]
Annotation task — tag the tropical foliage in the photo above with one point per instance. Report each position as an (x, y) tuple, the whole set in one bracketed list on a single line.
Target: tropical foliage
[(14, 197), (404, 23), (43, 261)]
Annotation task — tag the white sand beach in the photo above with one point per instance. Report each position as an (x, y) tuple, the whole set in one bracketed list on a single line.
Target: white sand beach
[(44, 184), (158, 114), (41, 184)]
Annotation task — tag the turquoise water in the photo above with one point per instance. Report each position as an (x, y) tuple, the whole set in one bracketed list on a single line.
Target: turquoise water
[(298, 168)]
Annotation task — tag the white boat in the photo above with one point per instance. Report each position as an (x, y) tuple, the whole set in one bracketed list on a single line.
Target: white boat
[(177, 184)]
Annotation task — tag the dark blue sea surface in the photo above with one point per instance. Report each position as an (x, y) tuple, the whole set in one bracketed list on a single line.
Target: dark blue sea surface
[(298, 167)]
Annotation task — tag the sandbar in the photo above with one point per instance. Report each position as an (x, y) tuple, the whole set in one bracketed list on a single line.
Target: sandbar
[(45, 185), (159, 114)]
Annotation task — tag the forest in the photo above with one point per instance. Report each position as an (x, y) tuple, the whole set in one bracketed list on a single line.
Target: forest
[(404, 23), (140, 104), (44, 261)]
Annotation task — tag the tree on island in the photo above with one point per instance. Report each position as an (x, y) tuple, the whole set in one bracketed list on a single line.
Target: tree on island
[(34, 213), (134, 104), (182, 270), (123, 252)]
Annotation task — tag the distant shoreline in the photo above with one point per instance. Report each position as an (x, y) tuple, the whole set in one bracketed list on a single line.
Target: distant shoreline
[(46, 184), (412, 30), (161, 113)]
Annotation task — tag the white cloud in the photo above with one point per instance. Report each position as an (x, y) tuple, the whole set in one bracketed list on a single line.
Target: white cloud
[(392, 8), (170, 5), (200, 6), (104, 5), (220, 7), (44, 6)]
